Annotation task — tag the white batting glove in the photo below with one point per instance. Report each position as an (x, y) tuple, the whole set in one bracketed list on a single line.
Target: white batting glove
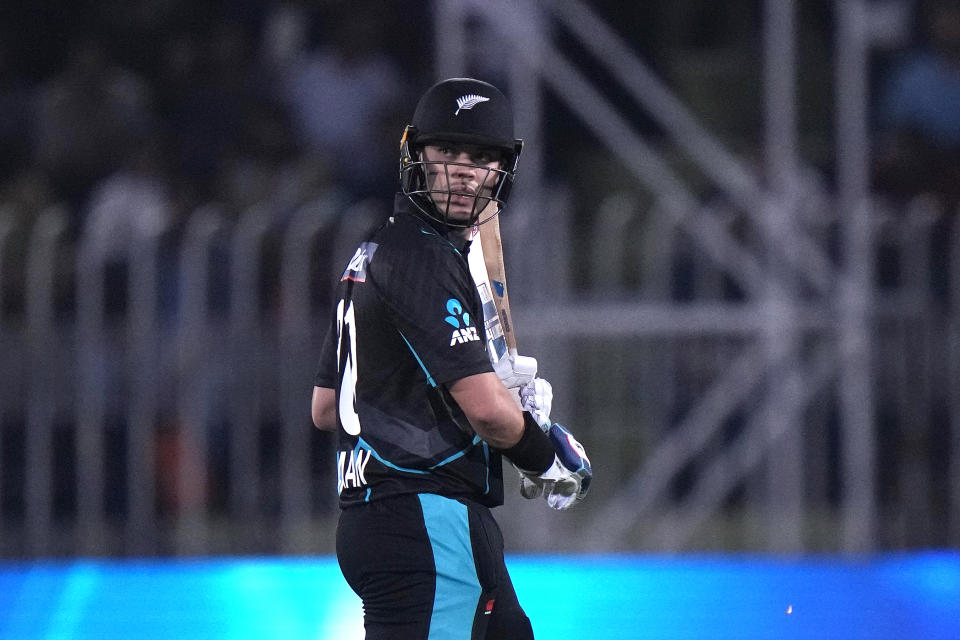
[(537, 397), (567, 480), (529, 488), (515, 371)]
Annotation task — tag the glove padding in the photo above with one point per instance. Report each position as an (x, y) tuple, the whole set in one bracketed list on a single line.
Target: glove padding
[(536, 397), (567, 480), (515, 371)]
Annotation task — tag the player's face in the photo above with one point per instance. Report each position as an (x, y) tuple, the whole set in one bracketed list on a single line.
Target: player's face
[(460, 178)]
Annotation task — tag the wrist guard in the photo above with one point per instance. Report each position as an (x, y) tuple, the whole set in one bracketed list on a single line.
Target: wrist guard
[(535, 452)]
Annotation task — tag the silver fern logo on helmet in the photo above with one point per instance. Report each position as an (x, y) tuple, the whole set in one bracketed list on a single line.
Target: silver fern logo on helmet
[(469, 102)]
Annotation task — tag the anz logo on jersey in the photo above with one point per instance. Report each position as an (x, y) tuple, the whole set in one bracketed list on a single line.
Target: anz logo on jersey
[(463, 328)]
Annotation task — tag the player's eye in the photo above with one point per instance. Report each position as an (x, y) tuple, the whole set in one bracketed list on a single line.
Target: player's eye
[(484, 157)]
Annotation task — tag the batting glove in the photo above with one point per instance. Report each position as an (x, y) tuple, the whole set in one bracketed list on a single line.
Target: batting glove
[(567, 480), (515, 371), (537, 397)]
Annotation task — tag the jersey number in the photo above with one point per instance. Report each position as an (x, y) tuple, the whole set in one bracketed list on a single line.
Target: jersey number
[(347, 332)]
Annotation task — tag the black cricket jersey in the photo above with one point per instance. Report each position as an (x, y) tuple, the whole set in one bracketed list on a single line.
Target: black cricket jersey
[(408, 321)]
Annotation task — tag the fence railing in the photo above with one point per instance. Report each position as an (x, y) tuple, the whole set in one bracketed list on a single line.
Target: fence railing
[(156, 390), (156, 387)]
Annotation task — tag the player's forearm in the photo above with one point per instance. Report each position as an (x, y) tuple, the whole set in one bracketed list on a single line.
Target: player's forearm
[(500, 431), (323, 408), (490, 408), (512, 432)]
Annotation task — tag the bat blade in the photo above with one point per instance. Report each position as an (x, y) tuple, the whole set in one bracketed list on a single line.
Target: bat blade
[(491, 245), (486, 266), (496, 341)]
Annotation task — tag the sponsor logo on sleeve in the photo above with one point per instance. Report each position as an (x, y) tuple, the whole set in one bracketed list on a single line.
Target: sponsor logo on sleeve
[(463, 327)]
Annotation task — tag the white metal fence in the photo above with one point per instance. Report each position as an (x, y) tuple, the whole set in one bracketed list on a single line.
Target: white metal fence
[(155, 396), (156, 387), (686, 406)]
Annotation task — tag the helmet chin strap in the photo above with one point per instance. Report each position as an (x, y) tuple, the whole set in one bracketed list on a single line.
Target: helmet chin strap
[(429, 208)]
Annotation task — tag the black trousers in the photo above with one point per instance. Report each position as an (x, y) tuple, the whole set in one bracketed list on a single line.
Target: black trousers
[(429, 568)]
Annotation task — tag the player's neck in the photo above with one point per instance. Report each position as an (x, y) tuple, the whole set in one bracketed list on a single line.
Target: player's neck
[(460, 236)]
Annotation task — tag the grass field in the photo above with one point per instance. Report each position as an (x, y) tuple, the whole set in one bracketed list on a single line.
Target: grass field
[(909, 596)]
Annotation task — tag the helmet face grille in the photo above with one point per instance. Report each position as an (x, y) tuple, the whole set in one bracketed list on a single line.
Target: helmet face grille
[(445, 202)]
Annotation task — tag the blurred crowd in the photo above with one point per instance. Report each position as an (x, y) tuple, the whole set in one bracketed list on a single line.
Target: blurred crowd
[(917, 110), (174, 103)]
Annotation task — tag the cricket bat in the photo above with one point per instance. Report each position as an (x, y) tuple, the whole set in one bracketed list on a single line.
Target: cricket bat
[(487, 268)]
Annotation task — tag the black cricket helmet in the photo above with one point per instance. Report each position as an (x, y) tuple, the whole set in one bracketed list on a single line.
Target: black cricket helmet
[(460, 111)]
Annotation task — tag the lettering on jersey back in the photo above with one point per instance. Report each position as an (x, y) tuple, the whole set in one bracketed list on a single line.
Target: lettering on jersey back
[(357, 267), (351, 466)]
